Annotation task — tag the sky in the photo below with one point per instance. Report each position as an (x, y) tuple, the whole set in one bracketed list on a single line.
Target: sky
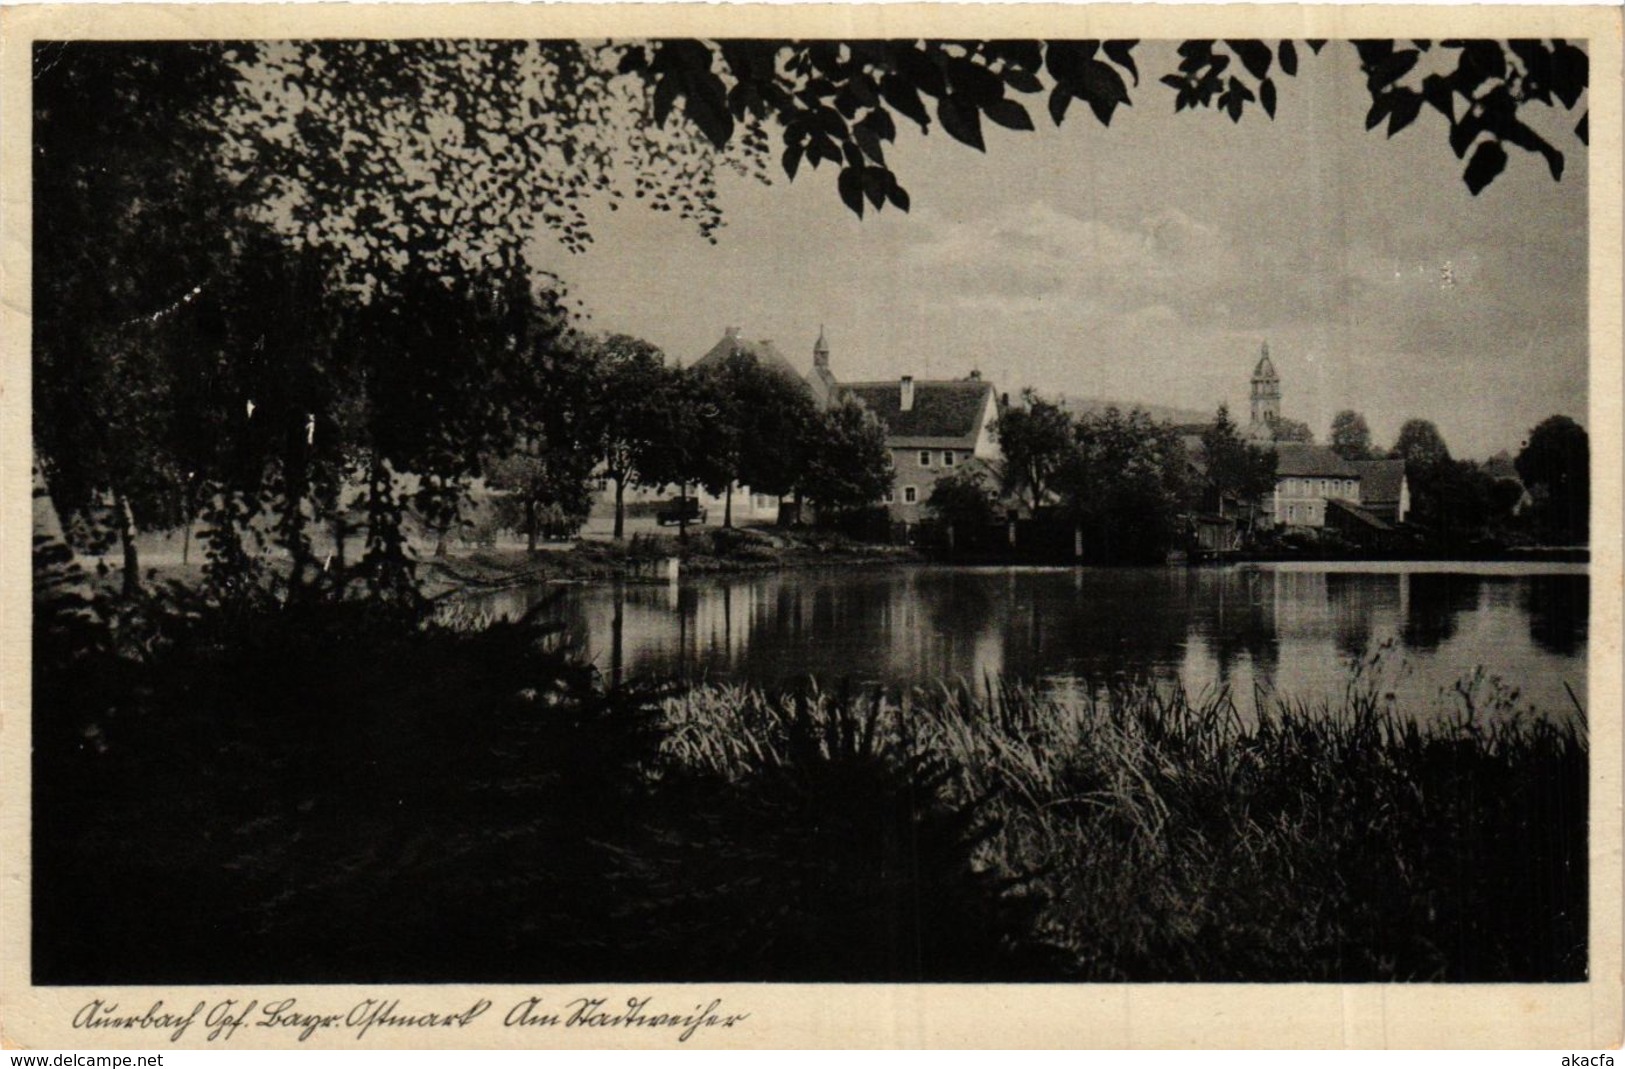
[(1147, 262)]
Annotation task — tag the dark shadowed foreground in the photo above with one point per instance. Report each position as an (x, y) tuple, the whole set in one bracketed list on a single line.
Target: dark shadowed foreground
[(341, 792)]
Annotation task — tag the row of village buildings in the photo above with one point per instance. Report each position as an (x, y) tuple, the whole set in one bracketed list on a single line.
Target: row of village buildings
[(937, 427)]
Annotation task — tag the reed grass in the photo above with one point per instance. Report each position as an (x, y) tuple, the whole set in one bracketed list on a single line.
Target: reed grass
[(1180, 838)]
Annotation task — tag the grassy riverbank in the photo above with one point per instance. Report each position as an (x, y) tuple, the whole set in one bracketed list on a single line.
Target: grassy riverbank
[(336, 792), (706, 551)]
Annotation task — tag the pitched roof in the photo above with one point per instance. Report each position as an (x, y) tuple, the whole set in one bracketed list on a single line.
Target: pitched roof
[(764, 351), (1359, 514), (1380, 480), (1298, 458), (942, 410), (1501, 466)]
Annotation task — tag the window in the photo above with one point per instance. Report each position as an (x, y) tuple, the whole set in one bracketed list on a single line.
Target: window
[(888, 497), (947, 458), (925, 458), (910, 495)]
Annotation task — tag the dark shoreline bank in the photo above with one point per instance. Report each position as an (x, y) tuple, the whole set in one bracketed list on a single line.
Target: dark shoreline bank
[(709, 553)]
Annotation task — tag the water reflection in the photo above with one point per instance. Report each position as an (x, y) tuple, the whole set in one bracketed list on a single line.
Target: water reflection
[(1287, 630), (1433, 603), (1558, 607)]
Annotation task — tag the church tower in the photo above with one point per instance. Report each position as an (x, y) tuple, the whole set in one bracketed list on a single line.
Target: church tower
[(821, 381), (1266, 396)]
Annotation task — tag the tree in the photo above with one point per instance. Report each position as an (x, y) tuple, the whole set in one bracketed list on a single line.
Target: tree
[(1233, 468), (1291, 430), (131, 223), (1036, 438), (840, 102), (1420, 445), (1124, 485), (964, 503), (1451, 497), (544, 479), (628, 378), (1556, 466), (455, 152), (759, 434), (1350, 436), (681, 439), (848, 465), (542, 489)]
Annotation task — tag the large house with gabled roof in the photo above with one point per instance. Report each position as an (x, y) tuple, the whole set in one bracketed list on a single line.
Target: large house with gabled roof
[(933, 427), (1314, 487)]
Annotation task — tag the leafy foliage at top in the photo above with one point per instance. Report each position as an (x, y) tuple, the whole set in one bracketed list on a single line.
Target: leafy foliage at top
[(842, 102), (455, 153)]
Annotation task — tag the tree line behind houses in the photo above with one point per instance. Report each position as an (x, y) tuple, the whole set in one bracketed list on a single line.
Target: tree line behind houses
[(1126, 486)]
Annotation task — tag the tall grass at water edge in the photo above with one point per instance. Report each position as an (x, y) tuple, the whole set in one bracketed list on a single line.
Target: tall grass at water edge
[(1151, 835)]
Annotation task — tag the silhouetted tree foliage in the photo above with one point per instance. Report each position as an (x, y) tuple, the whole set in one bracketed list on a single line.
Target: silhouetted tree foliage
[(1233, 468), (1350, 436), (1291, 430), (1556, 466), (1036, 438), (842, 102), (965, 503), (848, 466), (763, 423), (685, 443), (1455, 501), (1420, 444), (628, 378), (1124, 484), (130, 224)]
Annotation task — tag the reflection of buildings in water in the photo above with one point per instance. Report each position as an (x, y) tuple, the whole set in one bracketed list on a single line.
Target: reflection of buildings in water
[(1104, 626), (1233, 617), (921, 626), (1362, 606), (1248, 629)]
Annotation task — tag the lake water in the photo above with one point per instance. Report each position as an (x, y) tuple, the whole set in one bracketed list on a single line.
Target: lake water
[(1291, 630)]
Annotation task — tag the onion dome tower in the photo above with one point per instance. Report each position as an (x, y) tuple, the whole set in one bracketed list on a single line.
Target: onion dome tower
[(1266, 395)]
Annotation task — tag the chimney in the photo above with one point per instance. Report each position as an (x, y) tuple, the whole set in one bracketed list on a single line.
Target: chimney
[(907, 404)]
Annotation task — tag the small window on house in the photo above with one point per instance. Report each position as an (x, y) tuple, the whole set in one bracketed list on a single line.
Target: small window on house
[(925, 458), (888, 497), (910, 495), (947, 458)]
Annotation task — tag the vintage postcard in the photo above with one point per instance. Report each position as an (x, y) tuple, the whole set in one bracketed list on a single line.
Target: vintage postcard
[(810, 526)]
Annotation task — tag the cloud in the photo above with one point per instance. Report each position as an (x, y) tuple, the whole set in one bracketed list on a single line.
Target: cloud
[(1030, 256)]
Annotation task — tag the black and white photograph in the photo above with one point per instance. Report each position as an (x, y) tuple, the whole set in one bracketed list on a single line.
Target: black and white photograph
[(988, 500)]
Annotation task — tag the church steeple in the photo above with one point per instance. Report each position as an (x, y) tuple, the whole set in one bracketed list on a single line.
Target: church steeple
[(1266, 392), (820, 349)]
